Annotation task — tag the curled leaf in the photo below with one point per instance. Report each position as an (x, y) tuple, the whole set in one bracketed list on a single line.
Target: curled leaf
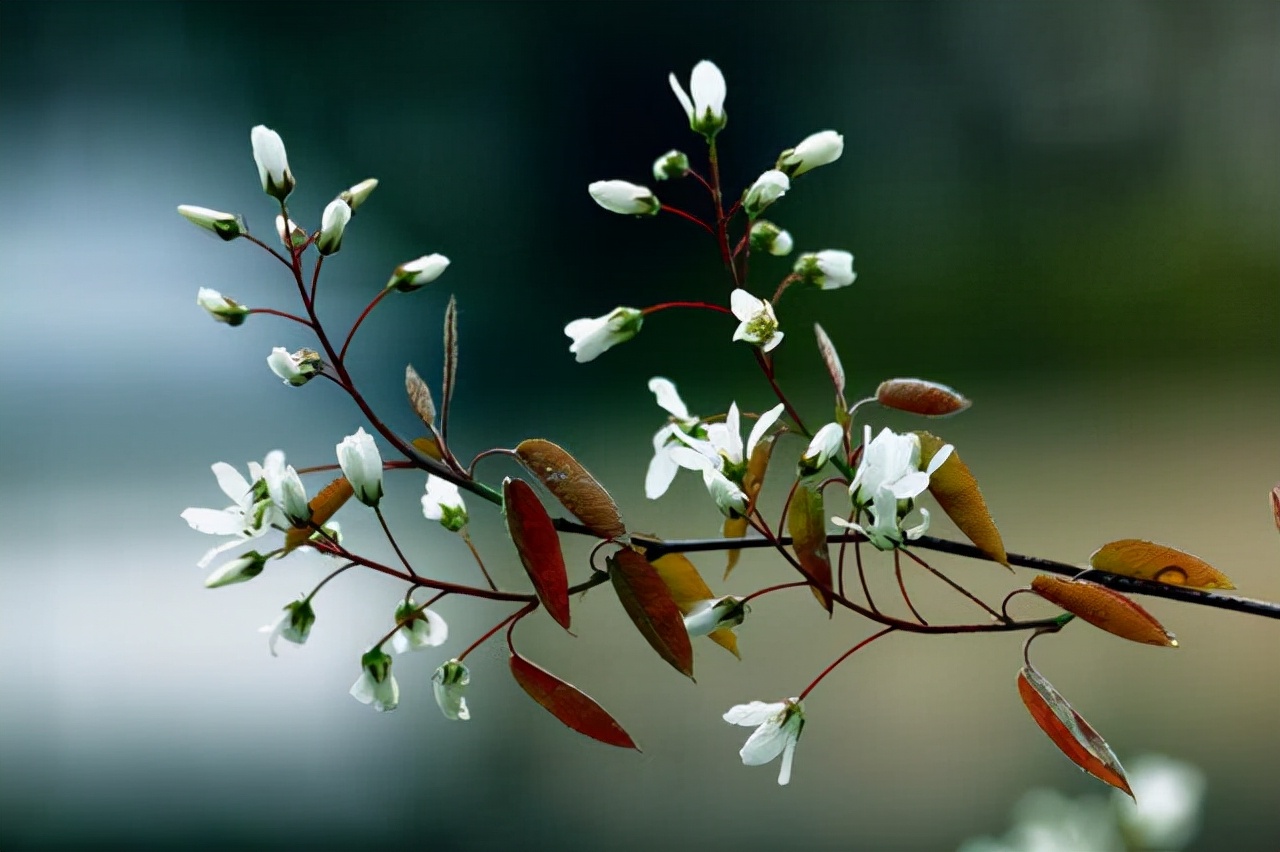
[(323, 507), (1103, 608), (834, 368), (652, 609), (450, 361), (1146, 560), (1275, 505), (687, 589), (919, 396), (1069, 731), (752, 482), (956, 491), (538, 545), (569, 704), (575, 488), (419, 396), (806, 522)]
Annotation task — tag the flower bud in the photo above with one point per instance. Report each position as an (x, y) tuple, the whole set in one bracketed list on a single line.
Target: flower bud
[(225, 225), (358, 194), (828, 441), (816, 150), (592, 336), (673, 164), (296, 369), (716, 614), (238, 570), (768, 188), (220, 307), (618, 196), (376, 685), (418, 630), (332, 224), (766, 236), (828, 270), (290, 233), (273, 164), (362, 466), (443, 503), (706, 108), (449, 683), (408, 277), (284, 488), (293, 626)]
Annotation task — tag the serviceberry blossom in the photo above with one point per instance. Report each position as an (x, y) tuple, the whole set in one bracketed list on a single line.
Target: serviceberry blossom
[(220, 307), (251, 514), (238, 570), (295, 369), (768, 237), (362, 466), (886, 484), (425, 629), (828, 270), (716, 614), (768, 188), (629, 199), (290, 232), (722, 458), (826, 442), (228, 226), (593, 336), (284, 486), (779, 725), (662, 468), (408, 277), (358, 194), (816, 150), (376, 684), (758, 325), (273, 164), (333, 223), (705, 108), (293, 625), (449, 683), (671, 165), (443, 503)]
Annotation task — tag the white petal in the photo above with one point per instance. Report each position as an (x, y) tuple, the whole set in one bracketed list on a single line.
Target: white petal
[(232, 482), (662, 470), (772, 343), (214, 521), (732, 425), (939, 459), (788, 754), (689, 459), (911, 485), (213, 552), (665, 392), (363, 689), (753, 713), (744, 305), (763, 424), (765, 743), (708, 87), (680, 95)]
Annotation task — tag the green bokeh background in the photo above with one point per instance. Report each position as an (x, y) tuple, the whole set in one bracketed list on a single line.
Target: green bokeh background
[(1069, 210)]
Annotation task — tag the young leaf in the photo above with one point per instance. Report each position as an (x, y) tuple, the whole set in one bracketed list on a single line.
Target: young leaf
[(687, 588), (450, 361), (752, 482), (419, 396), (918, 396), (429, 448), (651, 607), (1275, 505), (1103, 608), (956, 491), (1146, 560), (323, 507), (569, 704), (538, 545), (575, 488), (806, 521), (1069, 731), (834, 368)]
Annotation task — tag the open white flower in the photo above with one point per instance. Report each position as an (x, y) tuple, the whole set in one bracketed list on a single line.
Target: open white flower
[(443, 503), (768, 188), (284, 486), (758, 324), (449, 683), (706, 108), (826, 442), (886, 484), (829, 269), (716, 614), (293, 625), (425, 629), (409, 276), (251, 514), (220, 307), (376, 684), (228, 226), (273, 164), (817, 150), (593, 336), (662, 468), (629, 199), (779, 726), (333, 224), (723, 446), (362, 466)]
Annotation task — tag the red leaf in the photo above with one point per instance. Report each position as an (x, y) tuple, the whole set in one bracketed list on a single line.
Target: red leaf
[(919, 396), (538, 544), (569, 704), (1275, 505), (648, 601), (1104, 608), (1069, 731), (807, 523)]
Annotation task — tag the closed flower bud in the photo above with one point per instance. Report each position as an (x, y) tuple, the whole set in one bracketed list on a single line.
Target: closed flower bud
[(220, 307), (376, 685), (358, 194), (673, 164), (705, 108), (226, 225), (443, 503), (816, 150), (768, 188), (716, 614), (418, 630), (591, 337), (766, 236), (290, 233), (332, 224), (618, 196), (408, 277), (828, 270), (449, 683), (828, 441), (362, 466), (238, 570), (296, 369), (273, 164)]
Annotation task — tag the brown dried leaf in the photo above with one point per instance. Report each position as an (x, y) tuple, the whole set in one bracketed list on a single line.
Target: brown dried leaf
[(569, 704), (1146, 560), (919, 396), (687, 589), (1103, 608), (652, 608), (323, 507), (956, 491), (450, 360), (538, 545), (419, 396), (807, 524), (575, 488), (1275, 505), (834, 368)]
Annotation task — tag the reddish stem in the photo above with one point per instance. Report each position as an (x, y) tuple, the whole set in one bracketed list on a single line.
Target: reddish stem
[(520, 613), (367, 310), (706, 306), (902, 587), (667, 208), (284, 314), (846, 655)]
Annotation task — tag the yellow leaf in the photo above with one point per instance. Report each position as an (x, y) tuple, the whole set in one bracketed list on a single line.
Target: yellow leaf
[(956, 491), (429, 448), (1104, 608), (1146, 560), (687, 589), (807, 524)]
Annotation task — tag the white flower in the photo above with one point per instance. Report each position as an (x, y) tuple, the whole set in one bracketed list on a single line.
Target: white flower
[(238, 570), (273, 165), (592, 336), (332, 225), (225, 225), (284, 486), (290, 232), (294, 625), (1168, 793), (715, 614), (779, 726), (250, 516), (443, 503), (418, 630), (888, 473), (408, 277), (768, 188), (826, 442), (220, 307), (766, 236), (449, 683), (376, 684), (629, 199), (358, 194), (294, 369), (362, 466), (758, 324), (662, 468), (671, 165), (706, 109), (722, 458), (829, 269), (817, 150)]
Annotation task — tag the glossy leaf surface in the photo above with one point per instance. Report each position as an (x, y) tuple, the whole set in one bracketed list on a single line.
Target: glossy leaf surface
[(575, 488), (538, 545), (1146, 560), (919, 396), (752, 482), (569, 704), (649, 603), (1104, 608), (806, 523), (956, 491)]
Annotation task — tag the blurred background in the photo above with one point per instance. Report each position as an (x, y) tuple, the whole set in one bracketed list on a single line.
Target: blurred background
[(1068, 210)]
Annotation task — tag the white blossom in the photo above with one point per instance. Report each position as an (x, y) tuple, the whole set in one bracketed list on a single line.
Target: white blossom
[(220, 307), (778, 727), (629, 199), (829, 269), (362, 466), (662, 468), (817, 150), (238, 570), (284, 486), (768, 188), (251, 514), (425, 629), (358, 194), (295, 369), (293, 625), (376, 684), (705, 108), (408, 277), (443, 503), (228, 226), (758, 324), (592, 336), (886, 483), (449, 683), (273, 164), (716, 614), (826, 442), (333, 223), (291, 234), (766, 236)]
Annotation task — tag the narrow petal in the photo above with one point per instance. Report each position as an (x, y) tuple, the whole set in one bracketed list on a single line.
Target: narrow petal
[(681, 96), (788, 754), (939, 458), (753, 713), (765, 743), (733, 427), (689, 459), (763, 424), (214, 521), (232, 482), (662, 470), (665, 392)]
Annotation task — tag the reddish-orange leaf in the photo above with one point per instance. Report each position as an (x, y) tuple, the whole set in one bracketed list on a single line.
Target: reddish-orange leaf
[(752, 482), (323, 507), (807, 524), (1069, 731), (956, 491), (1104, 608), (687, 588), (652, 608), (429, 448), (575, 488), (1275, 505), (419, 396), (918, 396), (538, 544), (834, 368), (1146, 560), (569, 704)]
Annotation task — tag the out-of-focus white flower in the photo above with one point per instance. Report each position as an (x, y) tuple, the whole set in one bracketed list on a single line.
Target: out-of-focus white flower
[(449, 683), (362, 466), (273, 164), (225, 225), (251, 514), (758, 324), (671, 165), (662, 468), (408, 277), (706, 108), (358, 194), (629, 199), (766, 236), (376, 684), (294, 369), (294, 625), (817, 150), (779, 725), (443, 503), (220, 307), (238, 570), (1165, 811), (425, 629), (886, 484), (333, 223), (768, 188), (826, 442), (284, 486), (290, 233), (829, 269), (593, 335), (716, 614)]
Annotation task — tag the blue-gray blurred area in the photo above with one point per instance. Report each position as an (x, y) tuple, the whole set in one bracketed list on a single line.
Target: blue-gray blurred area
[(1069, 210)]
